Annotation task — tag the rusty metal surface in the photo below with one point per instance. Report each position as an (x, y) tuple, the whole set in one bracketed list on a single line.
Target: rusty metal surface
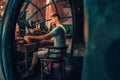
[(103, 49)]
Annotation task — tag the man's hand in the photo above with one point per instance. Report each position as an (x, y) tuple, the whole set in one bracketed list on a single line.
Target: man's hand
[(30, 39), (27, 38)]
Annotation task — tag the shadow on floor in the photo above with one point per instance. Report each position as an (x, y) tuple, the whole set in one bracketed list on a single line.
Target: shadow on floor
[(76, 68)]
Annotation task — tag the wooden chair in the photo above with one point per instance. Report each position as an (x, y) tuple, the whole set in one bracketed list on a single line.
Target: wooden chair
[(59, 58)]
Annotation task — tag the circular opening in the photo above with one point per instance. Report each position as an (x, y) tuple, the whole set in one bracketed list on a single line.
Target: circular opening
[(31, 18)]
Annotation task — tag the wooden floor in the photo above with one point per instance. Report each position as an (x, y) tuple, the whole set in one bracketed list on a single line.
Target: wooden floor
[(73, 71)]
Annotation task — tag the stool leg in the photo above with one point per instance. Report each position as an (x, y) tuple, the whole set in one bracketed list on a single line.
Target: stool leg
[(52, 68), (52, 71), (19, 70), (63, 71), (60, 72), (42, 70)]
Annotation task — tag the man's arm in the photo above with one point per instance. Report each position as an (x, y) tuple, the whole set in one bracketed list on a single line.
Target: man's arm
[(42, 37), (46, 43)]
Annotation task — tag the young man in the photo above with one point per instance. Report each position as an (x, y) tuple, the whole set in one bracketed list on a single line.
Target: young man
[(59, 35)]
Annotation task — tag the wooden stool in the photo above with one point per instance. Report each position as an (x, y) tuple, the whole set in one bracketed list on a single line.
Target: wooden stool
[(60, 59)]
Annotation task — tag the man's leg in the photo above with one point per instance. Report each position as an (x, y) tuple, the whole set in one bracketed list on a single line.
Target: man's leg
[(37, 55), (34, 60)]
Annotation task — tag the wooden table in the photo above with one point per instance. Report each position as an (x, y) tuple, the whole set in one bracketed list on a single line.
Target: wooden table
[(26, 49), (29, 48)]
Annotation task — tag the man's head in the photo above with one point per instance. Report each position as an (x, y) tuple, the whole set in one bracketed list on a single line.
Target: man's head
[(55, 18)]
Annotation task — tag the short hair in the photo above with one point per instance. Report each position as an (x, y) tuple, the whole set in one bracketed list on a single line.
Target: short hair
[(56, 15)]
